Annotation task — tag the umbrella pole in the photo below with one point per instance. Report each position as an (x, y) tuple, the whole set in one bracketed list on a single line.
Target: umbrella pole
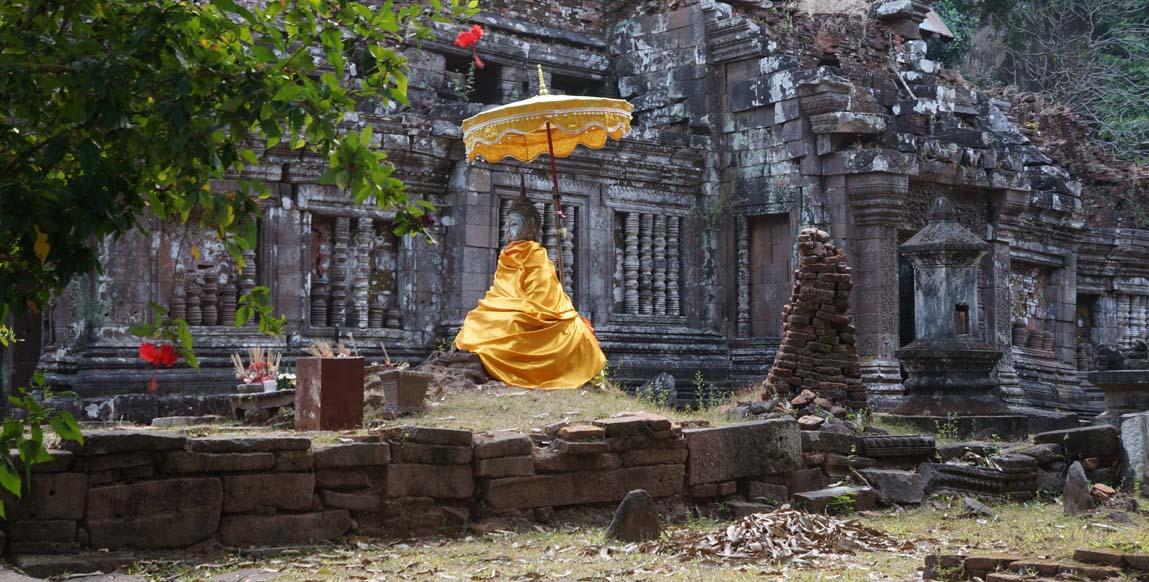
[(558, 210)]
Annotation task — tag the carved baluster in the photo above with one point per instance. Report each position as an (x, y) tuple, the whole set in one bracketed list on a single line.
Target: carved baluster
[(619, 237), (179, 308), (743, 232), (568, 250), (227, 304), (247, 276), (645, 263), (339, 274), (210, 303), (1138, 303), (318, 301), (195, 295), (1124, 317), (364, 236), (672, 230), (550, 233), (504, 210), (659, 264), (630, 264)]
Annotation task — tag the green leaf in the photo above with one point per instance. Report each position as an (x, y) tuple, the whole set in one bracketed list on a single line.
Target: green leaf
[(9, 476), (65, 425), (243, 315), (143, 330)]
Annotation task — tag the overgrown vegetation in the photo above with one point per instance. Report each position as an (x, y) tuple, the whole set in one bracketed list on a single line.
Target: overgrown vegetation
[(24, 437), (1089, 55), (117, 115)]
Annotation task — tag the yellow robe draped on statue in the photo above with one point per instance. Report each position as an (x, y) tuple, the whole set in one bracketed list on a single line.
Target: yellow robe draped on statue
[(526, 330)]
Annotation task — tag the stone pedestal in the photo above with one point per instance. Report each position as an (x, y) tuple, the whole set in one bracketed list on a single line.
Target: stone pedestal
[(328, 393), (1126, 392), (950, 378)]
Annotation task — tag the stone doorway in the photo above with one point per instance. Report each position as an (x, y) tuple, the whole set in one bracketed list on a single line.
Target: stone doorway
[(771, 249)]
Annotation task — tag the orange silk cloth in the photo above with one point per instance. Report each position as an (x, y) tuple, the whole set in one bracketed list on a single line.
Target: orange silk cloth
[(526, 330)]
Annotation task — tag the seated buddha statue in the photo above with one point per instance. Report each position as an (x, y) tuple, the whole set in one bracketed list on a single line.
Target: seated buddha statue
[(526, 330)]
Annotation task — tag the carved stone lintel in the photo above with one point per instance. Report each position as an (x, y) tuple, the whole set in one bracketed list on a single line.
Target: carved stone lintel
[(630, 264), (672, 265), (646, 264)]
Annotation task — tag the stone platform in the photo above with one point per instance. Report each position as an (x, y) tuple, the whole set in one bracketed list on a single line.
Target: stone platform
[(1126, 392), (1001, 426)]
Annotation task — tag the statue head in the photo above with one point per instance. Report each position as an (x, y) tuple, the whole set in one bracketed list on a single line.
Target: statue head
[(523, 221)]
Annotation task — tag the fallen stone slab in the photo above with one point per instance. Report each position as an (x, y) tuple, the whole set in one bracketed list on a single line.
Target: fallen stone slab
[(106, 442), (815, 441), (739, 509), (901, 487), (1085, 442), (1076, 498), (861, 498), (182, 421), (1100, 557), (636, 424)]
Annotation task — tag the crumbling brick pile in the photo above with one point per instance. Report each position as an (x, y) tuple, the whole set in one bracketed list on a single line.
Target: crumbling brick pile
[(818, 359)]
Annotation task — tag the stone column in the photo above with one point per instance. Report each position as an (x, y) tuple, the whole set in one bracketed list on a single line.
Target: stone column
[(743, 232), (364, 236), (1008, 206), (660, 264), (339, 274), (876, 204), (672, 230), (1124, 337), (646, 263)]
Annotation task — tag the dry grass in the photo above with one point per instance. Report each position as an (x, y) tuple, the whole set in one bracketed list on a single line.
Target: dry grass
[(491, 408), (568, 553)]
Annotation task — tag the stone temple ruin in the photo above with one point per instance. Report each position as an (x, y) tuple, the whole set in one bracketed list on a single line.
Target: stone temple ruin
[(752, 122)]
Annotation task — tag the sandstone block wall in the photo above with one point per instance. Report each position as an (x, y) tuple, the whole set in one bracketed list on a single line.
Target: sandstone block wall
[(155, 490)]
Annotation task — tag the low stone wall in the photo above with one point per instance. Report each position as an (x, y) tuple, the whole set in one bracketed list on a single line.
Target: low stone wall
[(156, 490)]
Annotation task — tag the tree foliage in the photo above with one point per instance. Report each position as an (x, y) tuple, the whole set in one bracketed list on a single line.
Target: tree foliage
[(1090, 55), (117, 115), (25, 438)]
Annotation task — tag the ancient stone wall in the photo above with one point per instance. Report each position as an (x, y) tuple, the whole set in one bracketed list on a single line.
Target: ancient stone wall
[(156, 490)]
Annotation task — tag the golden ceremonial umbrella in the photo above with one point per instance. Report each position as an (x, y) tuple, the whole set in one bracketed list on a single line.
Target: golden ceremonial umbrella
[(546, 124)]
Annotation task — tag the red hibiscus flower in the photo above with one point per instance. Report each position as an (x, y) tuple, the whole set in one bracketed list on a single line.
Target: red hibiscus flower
[(164, 355), (468, 39)]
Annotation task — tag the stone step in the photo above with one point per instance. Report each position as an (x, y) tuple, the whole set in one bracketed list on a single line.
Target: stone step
[(1113, 558), (1056, 568)]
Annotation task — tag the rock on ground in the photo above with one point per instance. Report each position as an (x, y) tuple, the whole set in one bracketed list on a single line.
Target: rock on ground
[(1076, 498), (635, 520)]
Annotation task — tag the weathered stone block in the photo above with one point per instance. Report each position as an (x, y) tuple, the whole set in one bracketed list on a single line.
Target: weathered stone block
[(653, 457), (250, 530), (564, 447), (432, 436), (170, 513), (816, 501), (361, 501), (50, 496), (734, 451), (551, 461), (260, 444), (582, 432), (581, 487), (816, 441), (106, 442), (431, 454), (55, 530), (351, 455), (502, 445), (806, 480), (187, 462), (505, 467), (904, 487), (293, 461), (353, 478), (436, 481), (633, 425), (112, 462), (288, 491), (61, 461), (758, 490)]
